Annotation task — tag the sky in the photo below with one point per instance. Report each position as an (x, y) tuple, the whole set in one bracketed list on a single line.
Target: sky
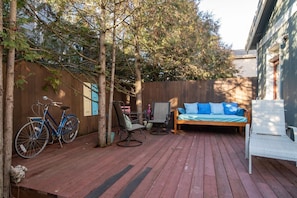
[(235, 18)]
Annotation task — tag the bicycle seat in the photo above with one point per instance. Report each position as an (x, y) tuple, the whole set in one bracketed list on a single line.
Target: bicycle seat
[(64, 107)]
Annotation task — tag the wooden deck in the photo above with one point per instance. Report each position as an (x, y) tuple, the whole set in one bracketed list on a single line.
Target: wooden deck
[(195, 163)]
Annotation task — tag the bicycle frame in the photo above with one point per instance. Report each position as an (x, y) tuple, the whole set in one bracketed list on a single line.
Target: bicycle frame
[(52, 125), (56, 128)]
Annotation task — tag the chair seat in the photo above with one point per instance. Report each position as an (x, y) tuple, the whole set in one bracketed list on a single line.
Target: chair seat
[(136, 127), (277, 147), (158, 121)]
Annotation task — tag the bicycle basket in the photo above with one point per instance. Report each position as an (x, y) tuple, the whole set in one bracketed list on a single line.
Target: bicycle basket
[(37, 109)]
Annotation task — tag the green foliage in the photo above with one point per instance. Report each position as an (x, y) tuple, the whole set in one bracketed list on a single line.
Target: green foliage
[(53, 81), (177, 41), (181, 45), (21, 80), (21, 43)]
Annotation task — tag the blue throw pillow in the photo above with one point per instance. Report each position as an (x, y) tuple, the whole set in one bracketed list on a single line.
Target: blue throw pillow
[(181, 110), (204, 108), (230, 108), (240, 111), (191, 108), (217, 108)]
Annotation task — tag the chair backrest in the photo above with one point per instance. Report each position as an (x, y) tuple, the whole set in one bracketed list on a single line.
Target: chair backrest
[(268, 117), (161, 110), (119, 112)]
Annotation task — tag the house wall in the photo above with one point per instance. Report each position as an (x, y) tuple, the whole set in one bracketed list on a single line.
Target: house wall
[(245, 63), (283, 22)]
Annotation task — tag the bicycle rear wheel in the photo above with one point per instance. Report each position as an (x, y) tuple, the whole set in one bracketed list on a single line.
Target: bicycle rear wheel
[(70, 129), (31, 139)]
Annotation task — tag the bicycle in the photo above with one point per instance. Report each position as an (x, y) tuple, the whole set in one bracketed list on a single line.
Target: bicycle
[(33, 137)]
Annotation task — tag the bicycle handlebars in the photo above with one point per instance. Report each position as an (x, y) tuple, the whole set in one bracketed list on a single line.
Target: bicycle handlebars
[(38, 107), (57, 104)]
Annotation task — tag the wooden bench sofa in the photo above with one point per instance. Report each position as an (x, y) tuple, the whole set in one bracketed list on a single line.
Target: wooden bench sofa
[(178, 122)]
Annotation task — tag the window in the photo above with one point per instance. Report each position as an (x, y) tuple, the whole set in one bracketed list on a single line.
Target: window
[(91, 99)]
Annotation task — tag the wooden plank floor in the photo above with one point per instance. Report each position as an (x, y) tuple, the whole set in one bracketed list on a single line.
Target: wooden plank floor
[(198, 162)]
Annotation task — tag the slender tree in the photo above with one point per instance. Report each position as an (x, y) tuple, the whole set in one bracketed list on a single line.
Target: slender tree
[(134, 27), (113, 62), (101, 77), (138, 81), (8, 122), (1, 102)]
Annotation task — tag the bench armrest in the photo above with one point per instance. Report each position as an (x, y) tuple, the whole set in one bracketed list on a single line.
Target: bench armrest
[(176, 113)]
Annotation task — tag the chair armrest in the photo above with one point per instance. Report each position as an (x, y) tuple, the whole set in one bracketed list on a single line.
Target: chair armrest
[(247, 139), (293, 133)]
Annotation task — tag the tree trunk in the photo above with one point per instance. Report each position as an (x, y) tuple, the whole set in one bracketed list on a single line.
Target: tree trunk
[(138, 81), (112, 79), (8, 122), (102, 82), (1, 105)]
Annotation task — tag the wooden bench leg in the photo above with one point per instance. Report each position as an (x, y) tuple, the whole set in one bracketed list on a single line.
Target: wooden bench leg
[(176, 128)]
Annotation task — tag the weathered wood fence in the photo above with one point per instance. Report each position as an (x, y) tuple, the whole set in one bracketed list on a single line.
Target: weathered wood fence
[(240, 90), (70, 92)]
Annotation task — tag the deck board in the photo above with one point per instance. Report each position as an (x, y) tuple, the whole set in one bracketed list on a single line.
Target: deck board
[(234, 168), (195, 163), (224, 180), (210, 183), (196, 190), (184, 183)]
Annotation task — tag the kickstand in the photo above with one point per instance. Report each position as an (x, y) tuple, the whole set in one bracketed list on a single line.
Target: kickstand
[(60, 142)]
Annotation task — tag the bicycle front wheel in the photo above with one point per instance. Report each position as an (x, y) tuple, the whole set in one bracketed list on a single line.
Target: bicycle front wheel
[(70, 129), (31, 139)]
